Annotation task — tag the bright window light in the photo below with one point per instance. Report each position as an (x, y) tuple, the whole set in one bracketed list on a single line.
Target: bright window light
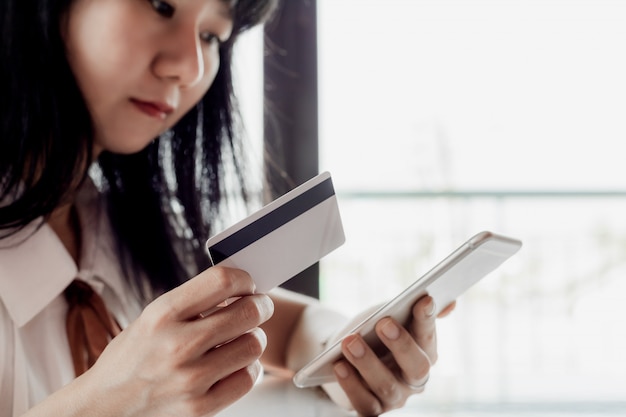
[(442, 118)]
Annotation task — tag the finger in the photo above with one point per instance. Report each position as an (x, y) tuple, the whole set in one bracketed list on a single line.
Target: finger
[(230, 357), (413, 362), (423, 327), (229, 389), (380, 379), (206, 290), (227, 323), (360, 397), (447, 310)]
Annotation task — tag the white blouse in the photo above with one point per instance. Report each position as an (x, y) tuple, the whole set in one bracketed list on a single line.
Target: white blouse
[(35, 268)]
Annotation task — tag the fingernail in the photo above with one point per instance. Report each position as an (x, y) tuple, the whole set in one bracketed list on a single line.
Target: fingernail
[(262, 336), (356, 348), (256, 369), (269, 306), (429, 309), (390, 330), (341, 370)]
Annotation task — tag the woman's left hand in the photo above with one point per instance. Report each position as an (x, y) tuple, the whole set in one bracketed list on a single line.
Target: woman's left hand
[(374, 385)]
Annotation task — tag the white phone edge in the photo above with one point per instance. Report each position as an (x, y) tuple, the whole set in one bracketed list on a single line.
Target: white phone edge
[(319, 370)]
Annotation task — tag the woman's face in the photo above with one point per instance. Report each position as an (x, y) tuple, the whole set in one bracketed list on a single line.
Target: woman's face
[(142, 64)]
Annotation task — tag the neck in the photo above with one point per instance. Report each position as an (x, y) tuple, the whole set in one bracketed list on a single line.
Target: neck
[(64, 222)]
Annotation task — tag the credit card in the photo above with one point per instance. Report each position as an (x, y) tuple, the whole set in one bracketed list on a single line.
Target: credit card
[(284, 237)]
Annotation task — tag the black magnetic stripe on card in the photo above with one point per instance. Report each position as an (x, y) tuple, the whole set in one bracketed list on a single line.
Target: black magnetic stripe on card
[(271, 221)]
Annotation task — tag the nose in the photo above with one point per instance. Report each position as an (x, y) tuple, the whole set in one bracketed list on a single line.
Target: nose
[(180, 57)]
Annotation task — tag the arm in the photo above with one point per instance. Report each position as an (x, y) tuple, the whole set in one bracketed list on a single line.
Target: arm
[(297, 331)]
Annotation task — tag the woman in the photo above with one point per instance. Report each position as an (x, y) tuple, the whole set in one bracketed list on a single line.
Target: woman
[(108, 108)]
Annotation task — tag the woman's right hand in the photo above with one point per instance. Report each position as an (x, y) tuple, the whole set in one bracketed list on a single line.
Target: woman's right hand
[(172, 361)]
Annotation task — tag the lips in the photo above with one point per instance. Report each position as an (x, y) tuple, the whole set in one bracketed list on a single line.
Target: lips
[(153, 108)]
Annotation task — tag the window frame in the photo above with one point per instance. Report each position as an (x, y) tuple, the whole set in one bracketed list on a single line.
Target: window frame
[(291, 109)]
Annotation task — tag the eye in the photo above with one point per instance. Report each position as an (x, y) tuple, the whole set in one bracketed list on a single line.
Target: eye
[(209, 38), (163, 8)]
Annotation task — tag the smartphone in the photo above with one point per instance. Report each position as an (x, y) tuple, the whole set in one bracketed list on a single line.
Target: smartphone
[(474, 259)]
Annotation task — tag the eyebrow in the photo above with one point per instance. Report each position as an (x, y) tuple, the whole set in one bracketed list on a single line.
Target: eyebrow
[(227, 11)]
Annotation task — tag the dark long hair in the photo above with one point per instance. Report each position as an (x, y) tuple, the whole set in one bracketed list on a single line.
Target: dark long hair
[(161, 200)]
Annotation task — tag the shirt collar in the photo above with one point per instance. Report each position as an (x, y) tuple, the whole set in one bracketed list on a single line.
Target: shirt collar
[(35, 267)]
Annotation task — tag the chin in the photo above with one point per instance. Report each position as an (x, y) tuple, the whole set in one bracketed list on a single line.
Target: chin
[(127, 146)]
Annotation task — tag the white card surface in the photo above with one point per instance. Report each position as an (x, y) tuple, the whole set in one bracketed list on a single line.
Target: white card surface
[(285, 237)]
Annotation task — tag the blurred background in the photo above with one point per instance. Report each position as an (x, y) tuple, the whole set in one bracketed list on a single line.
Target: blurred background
[(442, 118)]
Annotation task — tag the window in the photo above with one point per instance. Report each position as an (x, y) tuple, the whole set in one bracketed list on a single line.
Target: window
[(441, 118)]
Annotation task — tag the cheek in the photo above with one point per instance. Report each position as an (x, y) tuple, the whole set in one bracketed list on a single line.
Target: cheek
[(212, 65), (88, 33), (192, 96)]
